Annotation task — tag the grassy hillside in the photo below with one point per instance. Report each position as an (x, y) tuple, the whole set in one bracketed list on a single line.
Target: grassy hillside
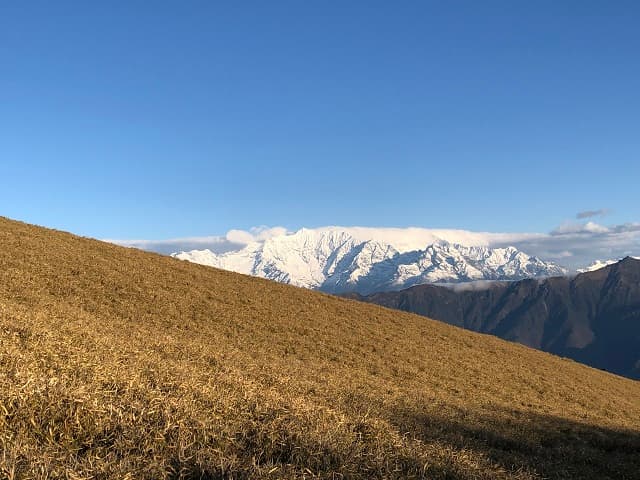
[(115, 363)]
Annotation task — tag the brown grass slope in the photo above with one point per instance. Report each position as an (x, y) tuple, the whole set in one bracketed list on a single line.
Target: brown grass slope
[(115, 363)]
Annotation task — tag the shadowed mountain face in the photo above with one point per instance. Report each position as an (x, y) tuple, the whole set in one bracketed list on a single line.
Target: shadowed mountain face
[(593, 318)]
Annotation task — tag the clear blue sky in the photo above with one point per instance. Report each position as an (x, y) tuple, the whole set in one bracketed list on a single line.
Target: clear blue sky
[(138, 119)]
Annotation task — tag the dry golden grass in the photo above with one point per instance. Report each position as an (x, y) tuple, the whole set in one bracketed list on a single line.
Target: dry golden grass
[(115, 363)]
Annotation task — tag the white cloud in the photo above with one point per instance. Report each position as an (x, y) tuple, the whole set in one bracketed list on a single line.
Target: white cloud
[(218, 244), (263, 233), (627, 228), (563, 254), (232, 240), (255, 234), (585, 243), (417, 238), (240, 236), (578, 228), (593, 213)]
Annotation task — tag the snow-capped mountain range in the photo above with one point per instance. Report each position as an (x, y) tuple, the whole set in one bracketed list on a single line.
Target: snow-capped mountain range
[(338, 260)]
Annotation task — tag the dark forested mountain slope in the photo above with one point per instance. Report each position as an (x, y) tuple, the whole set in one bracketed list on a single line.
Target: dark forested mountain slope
[(593, 318)]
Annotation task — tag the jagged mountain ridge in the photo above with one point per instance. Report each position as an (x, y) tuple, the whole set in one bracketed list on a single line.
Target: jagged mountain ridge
[(593, 317), (335, 261), (598, 264)]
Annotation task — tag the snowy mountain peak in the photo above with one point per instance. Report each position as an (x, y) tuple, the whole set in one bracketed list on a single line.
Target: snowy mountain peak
[(598, 264), (335, 260)]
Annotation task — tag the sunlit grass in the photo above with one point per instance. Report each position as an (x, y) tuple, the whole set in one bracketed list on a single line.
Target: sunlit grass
[(116, 363)]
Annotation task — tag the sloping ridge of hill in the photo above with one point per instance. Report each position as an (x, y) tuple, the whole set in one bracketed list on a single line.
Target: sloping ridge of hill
[(116, 363), (593, 317)]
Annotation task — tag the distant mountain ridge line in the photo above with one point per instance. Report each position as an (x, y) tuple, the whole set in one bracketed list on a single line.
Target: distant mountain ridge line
[(335, 260), (598, 264)]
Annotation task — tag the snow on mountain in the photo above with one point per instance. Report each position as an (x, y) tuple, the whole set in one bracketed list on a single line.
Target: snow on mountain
[(598, 264), (306, 258), (340, 260)]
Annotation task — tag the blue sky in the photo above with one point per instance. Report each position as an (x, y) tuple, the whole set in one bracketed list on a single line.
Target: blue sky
[(136, 119)]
